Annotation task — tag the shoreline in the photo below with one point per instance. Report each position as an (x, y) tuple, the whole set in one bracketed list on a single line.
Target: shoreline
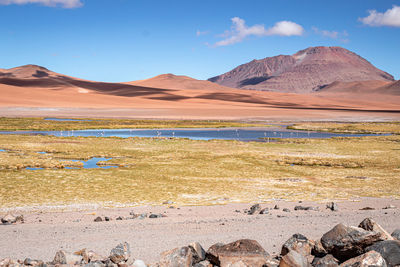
[(74, 230)]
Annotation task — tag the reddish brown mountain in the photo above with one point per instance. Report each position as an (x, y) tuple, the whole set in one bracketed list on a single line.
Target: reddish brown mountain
[(306, 71)]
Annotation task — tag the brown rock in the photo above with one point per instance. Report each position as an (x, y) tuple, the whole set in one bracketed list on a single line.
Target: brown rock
[(63, 257), (30, 262), (345, 242), (182, 257), (120, 253), (203, 264), (326, 261), (298, 243), (370, 225), (199, 253), (318, 250), (368, 259), (90, 256), (243, 252), (294, 259), (9, 219)]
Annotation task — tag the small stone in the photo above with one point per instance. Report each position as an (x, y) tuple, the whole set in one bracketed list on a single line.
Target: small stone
[(168, 202), (203, 264), (396, 234), (264, 211), (286, 210), (332, 206), (98, 219), (120, 253), (132, 213), (119, 218), (142, 216), (107, 219), (276, 207), (152, 216), (31, 262), (389, 207), (368, 259), (63, 257), (305, 208), (9, 219), (254, 209), (367, 208), (139, 263)]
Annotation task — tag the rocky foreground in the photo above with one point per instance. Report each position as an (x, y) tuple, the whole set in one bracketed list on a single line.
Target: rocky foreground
[(366, 245)]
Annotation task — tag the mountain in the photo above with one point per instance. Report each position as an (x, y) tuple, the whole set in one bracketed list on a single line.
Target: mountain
[(307, 71), (171, 81)]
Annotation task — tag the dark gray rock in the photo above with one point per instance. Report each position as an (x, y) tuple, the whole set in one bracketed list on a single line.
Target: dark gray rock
[(396, 234), (152, 216), (389, 250), (286, 210), (254, 209), (326, 261), (306, 208), (30, 262), (264, 211), (332, 206), (199, 254), (345, 242), (276, 207), (98, 219), (369, 259), (120, 253), (367, 208), (298, 243), (107, 219)]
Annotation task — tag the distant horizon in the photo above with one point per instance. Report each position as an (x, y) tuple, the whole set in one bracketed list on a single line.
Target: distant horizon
[(119, 41)]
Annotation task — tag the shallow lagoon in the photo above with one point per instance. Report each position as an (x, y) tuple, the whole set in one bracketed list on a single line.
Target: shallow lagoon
[(239, 134)]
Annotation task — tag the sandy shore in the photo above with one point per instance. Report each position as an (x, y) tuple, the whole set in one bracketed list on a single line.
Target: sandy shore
[(43, 233)]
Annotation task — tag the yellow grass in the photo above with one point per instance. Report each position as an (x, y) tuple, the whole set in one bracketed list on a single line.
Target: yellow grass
[(367, 127), (192, 172)]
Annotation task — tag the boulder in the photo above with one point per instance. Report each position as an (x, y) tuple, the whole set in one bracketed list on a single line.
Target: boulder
[(326, 261), (371, 258), (244, 252), (182, 257), (370, 225), (199, 253), (294, 259), (90, 256), (318, 249), (389, 250), (345, 242), (396, 234), (298, 243), (63, 257), (254, 209), (120, 253)]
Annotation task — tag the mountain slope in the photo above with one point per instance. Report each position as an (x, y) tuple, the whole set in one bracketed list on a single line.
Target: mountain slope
[(171, 81), (306, 71)]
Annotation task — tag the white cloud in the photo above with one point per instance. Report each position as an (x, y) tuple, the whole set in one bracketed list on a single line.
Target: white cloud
[(51, 3), (285, 28), (240, 31), (326, 33), (391, 17)]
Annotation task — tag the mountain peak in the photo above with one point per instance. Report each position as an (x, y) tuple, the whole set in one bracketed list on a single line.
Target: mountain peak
[(303, 72)]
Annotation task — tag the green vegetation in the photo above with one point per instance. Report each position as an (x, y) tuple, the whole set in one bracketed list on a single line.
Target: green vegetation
[(40, 124), (360, 128), (196, 172)]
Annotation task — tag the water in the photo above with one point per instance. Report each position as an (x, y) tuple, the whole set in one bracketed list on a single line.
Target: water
[(63, 119), (92, 164), (88, 164), (41, 152), (197, 134), (2, 150)]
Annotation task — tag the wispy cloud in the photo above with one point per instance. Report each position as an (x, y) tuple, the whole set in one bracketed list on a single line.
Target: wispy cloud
[(391, 17), (200, 33), (341, 36), (50, 3), (239, 31)]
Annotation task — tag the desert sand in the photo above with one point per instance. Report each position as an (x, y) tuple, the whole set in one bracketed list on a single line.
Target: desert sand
[(74, 230)]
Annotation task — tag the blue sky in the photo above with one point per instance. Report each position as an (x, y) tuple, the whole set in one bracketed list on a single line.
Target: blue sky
[(124, 40)]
